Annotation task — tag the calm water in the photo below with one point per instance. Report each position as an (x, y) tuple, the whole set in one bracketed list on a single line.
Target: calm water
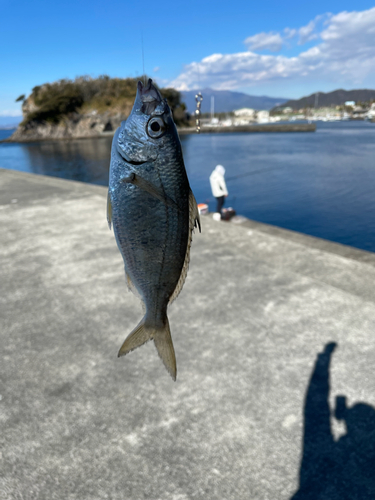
[(321, 183)]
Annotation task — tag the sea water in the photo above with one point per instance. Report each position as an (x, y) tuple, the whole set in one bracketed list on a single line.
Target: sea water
[(320, 183)]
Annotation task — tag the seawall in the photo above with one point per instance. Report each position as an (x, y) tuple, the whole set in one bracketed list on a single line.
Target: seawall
[(266, 127)]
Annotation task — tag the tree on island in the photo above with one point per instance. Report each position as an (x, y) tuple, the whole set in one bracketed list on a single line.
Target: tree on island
[(52, 102)]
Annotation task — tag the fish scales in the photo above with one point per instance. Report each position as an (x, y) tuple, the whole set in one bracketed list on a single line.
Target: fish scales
[(153, 212), (153, 233)]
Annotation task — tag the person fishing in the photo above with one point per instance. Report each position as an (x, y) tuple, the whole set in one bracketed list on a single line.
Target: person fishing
[(218, 186)]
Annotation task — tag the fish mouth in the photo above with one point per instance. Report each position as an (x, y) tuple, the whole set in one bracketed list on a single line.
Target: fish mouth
[(149, 96)]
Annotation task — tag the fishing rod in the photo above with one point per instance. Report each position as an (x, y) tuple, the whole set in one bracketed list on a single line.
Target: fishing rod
[(246, 174)]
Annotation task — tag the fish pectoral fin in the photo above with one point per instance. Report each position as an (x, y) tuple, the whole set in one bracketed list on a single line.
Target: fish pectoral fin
[(109, 210), (151, 189), (144, 332)]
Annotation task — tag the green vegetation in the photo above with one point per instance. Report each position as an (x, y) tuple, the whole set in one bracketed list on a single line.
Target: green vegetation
[(52, 102)]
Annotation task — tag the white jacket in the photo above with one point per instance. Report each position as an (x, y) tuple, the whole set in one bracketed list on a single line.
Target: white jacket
[(217, 182)]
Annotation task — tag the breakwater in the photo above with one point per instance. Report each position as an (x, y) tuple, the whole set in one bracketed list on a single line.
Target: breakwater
[(267, 127)]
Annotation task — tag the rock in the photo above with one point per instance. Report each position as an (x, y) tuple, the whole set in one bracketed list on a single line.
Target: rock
[(86, 125), (75, 125)]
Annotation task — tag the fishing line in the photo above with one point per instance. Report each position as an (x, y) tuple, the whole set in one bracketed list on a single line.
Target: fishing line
[(246, 174), (143, 60), (251, 173)]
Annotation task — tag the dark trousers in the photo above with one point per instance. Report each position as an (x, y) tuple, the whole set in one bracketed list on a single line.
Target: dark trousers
[(220, 203)]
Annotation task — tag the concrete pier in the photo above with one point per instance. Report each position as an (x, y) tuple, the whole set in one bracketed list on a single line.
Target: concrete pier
[(253, 395)]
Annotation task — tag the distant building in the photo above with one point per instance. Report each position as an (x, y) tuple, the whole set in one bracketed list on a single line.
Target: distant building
[(371, 112), (350, 103), (244, 116), (245, 112), (263, 116), (287, 109)]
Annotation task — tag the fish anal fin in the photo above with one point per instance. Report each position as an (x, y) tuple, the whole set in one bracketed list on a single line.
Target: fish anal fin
[(194, 220), (131, 285), (144, 332)]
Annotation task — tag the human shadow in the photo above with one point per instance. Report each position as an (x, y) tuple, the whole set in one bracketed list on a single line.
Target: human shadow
[(342, 469)]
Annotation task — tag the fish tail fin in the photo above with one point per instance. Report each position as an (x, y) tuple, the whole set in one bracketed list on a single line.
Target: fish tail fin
[(144, 332), (164, 346)]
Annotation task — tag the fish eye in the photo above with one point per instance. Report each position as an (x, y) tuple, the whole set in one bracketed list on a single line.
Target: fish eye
[(156, 127)]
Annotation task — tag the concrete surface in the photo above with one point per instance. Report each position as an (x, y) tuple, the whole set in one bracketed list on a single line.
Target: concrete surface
[(251, 398)]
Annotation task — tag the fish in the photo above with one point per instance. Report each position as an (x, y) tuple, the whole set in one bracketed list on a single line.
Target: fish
[(153, 213)]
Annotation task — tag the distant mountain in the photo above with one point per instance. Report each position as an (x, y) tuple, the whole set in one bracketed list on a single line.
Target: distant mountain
[(335, 98), (226, 100), (7, 122)]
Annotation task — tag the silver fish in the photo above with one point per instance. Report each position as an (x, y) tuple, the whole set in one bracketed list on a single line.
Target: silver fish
[(153, 212)]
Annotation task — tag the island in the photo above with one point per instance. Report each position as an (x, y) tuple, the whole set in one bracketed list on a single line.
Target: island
[(84, 107)]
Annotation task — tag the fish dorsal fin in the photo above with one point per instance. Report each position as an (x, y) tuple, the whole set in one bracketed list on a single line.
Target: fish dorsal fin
[(109, 210), (194, 221)]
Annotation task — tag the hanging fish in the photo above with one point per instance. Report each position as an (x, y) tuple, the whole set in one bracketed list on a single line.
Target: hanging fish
[(153, 212)]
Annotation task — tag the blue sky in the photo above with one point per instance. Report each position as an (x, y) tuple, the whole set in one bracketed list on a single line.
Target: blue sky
[(281, 49)]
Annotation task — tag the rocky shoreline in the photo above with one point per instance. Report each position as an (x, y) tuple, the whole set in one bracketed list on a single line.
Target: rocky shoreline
[(78, 126), (93, 126)]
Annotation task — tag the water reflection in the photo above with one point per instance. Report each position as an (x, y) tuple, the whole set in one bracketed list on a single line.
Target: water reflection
[(320, 183), (81, 160), (330, 469)]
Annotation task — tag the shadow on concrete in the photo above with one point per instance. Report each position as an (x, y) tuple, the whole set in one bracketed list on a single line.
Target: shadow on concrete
[(342, 469)]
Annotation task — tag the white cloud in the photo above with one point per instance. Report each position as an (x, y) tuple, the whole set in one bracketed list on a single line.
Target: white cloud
[(343, 53), (306, 33), (11, 112), (310, 31), (272, 41), (289, 33)]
